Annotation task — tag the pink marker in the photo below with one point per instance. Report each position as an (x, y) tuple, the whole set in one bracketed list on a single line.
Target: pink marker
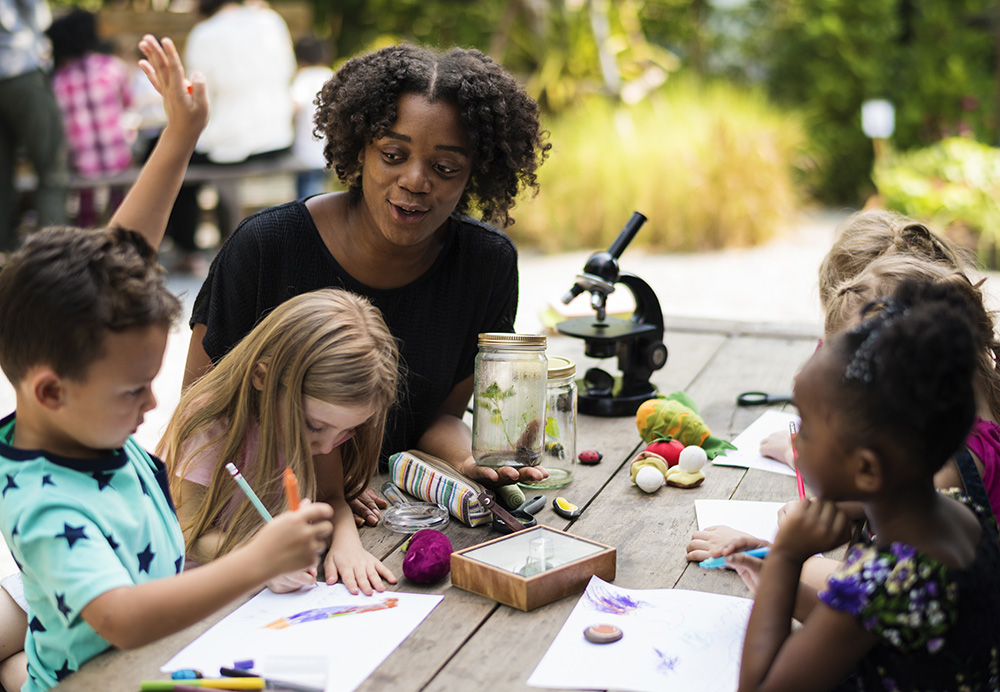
[(795, 457)]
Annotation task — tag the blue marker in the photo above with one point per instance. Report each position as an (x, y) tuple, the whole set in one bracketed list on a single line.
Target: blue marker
[(720, 562)]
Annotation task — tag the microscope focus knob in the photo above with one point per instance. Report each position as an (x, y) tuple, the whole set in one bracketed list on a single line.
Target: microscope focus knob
[(655, 355)]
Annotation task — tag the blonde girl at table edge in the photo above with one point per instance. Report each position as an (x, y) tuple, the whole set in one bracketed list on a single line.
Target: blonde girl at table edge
[(309, 388), (883, 404)]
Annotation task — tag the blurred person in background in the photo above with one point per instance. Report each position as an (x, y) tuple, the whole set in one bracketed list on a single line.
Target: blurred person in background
[(245, 52), (29, 117), (92, 90), (313, 58)]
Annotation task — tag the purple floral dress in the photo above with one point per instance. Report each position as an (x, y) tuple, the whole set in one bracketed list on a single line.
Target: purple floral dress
[(938, 628)]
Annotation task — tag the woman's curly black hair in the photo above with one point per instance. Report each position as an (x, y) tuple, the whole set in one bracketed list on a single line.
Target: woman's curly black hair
[(908, 372), (358, 104)]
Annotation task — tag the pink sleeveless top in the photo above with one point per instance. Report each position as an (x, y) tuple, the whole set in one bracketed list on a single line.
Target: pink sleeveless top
[(984, 442)]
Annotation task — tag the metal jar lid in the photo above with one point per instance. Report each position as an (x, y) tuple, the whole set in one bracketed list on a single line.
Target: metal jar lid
[(505, 339), (561, 367)]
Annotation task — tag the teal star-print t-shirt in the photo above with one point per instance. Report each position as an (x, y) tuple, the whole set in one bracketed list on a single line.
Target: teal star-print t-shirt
[(78, 528)]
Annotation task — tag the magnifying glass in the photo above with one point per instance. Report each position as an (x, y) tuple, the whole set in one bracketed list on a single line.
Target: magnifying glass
[(762, 399), (410, 517)]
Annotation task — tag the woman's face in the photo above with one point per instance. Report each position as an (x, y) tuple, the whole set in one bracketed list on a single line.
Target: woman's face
[(413, 177)]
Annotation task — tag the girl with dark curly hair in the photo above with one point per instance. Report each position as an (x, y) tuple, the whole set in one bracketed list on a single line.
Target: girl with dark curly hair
[(883, 407), (419, 139)]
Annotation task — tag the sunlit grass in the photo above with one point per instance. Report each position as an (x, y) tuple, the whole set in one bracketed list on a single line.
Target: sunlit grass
[(709, 165)]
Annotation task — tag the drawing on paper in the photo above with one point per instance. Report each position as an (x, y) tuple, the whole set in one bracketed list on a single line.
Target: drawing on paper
[(330, 612), (664, 663), (612, 602)]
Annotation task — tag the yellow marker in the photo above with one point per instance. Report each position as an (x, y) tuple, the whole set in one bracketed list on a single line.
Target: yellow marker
[(208, 683)]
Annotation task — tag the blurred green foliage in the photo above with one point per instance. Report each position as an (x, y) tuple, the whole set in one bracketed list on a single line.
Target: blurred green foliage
[(710, 165), (955, 184), (933, 59)]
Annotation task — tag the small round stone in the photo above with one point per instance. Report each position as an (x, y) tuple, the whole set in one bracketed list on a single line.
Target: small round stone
[(602, 634)]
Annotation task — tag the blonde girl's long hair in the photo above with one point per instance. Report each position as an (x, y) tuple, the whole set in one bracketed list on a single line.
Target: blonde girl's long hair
[(870, 234), (881, 278), (331, 345)]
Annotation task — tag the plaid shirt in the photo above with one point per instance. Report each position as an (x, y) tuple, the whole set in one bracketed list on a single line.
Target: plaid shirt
[(92, 92)]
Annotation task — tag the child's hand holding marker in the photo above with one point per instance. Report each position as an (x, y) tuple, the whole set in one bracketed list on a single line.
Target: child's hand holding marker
[(297, 577), (293, 541), (292, 581), (811, 527)]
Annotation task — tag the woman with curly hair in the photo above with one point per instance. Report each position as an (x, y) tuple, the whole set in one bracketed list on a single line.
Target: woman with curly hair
[(419, 139)]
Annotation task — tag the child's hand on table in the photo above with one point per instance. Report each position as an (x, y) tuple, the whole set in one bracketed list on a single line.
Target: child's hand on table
[(294, 540), (778, 445), (711, 542), (358, 569)]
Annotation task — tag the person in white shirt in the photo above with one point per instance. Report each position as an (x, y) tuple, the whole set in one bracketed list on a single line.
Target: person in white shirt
[(313, 59), (245, 52)]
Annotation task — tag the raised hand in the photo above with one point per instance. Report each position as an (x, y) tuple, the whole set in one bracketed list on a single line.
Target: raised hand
[(184, 100)]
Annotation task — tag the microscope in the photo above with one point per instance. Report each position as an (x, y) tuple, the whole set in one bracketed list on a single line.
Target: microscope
[(637, 342)]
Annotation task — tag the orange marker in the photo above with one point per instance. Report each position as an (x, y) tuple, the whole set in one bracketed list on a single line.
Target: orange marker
[(291, 488), (190, 89)]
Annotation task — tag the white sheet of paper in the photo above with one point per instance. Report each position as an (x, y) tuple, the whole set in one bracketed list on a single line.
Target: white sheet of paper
[(759, 519), (346, 647), (747, 452), (672, 639)]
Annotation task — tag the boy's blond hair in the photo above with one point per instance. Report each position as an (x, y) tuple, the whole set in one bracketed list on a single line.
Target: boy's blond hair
[(330, 345)]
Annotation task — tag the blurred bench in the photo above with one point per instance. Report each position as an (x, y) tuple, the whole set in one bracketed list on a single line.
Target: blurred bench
[(226, 179)]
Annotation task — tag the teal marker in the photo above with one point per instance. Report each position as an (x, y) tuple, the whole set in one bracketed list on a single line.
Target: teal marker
[(720, 562), (248, 491)]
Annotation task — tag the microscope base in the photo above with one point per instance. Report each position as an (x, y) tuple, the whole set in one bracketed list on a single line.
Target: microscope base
[(608, 406)]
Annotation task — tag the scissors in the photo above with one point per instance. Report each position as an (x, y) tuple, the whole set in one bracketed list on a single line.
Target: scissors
[(762, 399)]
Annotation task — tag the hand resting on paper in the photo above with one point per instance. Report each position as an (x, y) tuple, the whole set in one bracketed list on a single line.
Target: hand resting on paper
[(711, 542), (778, 445), (293, 581)]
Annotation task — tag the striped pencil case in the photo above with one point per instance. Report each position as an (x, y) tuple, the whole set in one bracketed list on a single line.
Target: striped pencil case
[(432, 480)]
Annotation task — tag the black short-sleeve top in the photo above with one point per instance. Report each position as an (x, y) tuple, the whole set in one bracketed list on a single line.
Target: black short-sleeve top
[(471, 288)]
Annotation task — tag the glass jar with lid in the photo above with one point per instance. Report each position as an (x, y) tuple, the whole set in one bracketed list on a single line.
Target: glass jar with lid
[(559, 449), (509, 404)]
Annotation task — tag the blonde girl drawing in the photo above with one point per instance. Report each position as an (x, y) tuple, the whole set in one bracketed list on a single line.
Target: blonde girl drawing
[(309, 388)]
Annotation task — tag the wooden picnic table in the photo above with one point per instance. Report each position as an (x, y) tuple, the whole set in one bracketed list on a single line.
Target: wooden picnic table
[(469, 640)]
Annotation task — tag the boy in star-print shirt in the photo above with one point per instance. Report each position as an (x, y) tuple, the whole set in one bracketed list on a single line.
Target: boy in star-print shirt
[(84, 317)]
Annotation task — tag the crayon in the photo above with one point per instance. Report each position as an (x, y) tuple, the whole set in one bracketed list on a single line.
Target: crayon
[(720, 562)]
